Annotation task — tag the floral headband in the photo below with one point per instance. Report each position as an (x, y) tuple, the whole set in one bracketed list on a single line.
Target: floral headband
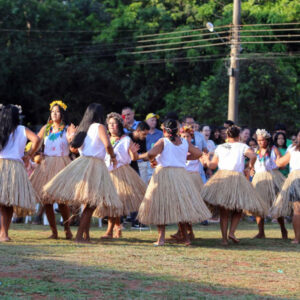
[(264, 133), (187, 129), (19, 107), (59, 103)]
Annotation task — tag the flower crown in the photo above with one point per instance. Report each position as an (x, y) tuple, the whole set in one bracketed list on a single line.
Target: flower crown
[(115, 116), (187, 129), (19, 107), (58, 102), (264, 133)]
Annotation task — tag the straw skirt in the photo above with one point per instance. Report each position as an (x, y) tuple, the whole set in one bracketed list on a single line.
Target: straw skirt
[(196, 178), (268, 184), (85, 181), (130, 188), (45, 171), (289, 193), (231, 190), (15, 187), (172, 197)]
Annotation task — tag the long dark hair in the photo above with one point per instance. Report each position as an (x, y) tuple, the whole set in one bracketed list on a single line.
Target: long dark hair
[(171, 127), (118, 119), (93, 114), (298, 141), (9, 120), (284, 146)]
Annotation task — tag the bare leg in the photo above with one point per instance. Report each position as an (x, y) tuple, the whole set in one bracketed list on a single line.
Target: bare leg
[(161, 235), (177, 235), (6, 215), (186, 238), (284, 232), (190, 231), (224, 214), (110, 227), (84, 224), (51, 219), (65, 213), (296, 222), (235, 219), (261, 228), (117, 228)]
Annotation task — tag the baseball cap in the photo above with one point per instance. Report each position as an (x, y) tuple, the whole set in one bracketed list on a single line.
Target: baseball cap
[(151, 115)]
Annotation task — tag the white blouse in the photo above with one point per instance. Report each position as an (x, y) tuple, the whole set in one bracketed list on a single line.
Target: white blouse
[(15, 146)]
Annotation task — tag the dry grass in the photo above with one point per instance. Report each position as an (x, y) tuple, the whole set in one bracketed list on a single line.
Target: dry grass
[(33, 267)]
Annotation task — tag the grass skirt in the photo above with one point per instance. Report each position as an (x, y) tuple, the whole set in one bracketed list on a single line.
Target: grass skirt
[(45, 171), (289, 193), (268, 184), (15, 187), (196, 178), (130, 188), (85, 181), (172, 197), (231, 190)]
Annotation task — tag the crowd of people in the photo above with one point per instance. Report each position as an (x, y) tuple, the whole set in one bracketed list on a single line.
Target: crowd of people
[(178, 173)]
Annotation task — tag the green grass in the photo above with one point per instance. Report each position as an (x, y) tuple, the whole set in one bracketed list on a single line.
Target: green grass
[(33, 267)]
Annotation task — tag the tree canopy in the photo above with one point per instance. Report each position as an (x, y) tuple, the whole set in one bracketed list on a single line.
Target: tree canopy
[(121, 53)]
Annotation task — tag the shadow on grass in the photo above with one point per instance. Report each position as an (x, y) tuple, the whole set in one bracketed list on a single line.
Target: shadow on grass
[(59, 279)]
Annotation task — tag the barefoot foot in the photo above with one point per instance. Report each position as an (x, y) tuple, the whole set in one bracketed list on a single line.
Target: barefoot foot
[(233, 238), (284, 234), (53, 236), (69, 235), (259, 236), (295, 241)]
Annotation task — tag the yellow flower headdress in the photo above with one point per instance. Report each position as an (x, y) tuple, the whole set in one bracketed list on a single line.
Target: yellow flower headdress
[(58, 102)]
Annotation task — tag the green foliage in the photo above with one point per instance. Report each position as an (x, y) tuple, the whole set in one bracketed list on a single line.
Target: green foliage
[(80, 51)]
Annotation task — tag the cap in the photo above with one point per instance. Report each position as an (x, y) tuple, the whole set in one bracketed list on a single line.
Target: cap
[(151, 115)]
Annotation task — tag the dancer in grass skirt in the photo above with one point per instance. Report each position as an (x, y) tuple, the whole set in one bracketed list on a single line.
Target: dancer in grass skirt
[(288, 199), (86, 181), (129, 185), (267, 180), (171, 196), (228, 188), (16, 191), (54, 158)]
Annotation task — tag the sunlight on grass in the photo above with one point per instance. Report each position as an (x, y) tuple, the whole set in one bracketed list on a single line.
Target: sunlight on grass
[(32, 266)]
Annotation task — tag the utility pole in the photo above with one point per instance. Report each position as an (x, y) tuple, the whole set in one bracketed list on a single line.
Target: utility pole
[(233, 71)]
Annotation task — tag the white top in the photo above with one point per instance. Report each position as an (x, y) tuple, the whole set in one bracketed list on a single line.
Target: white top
[(121, 152), (172, 155), (192, 165), (266, 163), (92, 145), (56, 144), (295, 159), (15, 146), (231, 156)]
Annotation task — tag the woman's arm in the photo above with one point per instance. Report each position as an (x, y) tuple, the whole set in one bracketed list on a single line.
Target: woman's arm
[(284, 160), (194, 152), (213, 163), (106, 142), (153, 152), (133, 150), (35, 140), (252, 157)]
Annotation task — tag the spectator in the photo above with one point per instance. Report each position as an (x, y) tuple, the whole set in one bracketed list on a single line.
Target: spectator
[(223, 134), (228, 123), (252, 143), (245, 134), (282, 128), (280, 142), (153, 136), (215, 136), (130, 124), (138, 136), (206, 131)]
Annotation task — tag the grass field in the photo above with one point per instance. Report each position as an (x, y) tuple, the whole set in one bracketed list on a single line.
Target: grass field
[(33, 267)]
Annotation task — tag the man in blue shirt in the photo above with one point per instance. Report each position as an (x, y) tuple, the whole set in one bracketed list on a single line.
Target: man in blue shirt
[(153, 136), (130, 123)]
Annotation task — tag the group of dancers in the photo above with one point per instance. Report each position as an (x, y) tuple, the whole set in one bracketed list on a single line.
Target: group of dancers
[(102, 181)]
